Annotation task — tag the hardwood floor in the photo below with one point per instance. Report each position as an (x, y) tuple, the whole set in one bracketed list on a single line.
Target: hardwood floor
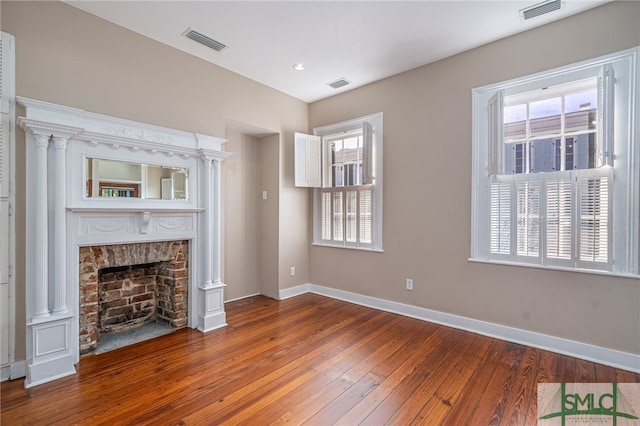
[(306, 360)]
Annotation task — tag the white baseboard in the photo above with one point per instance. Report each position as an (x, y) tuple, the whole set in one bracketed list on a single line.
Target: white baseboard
[(294, 291), (18, 369), (241, 297), (5, 372), (13, 371), (611, 357)]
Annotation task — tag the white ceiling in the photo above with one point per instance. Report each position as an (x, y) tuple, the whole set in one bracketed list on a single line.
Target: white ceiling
[(362, 41)]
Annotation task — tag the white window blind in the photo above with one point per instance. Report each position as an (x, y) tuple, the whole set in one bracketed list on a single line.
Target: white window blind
[(559, 217), (528, 218), (500, 218), (593, 223)]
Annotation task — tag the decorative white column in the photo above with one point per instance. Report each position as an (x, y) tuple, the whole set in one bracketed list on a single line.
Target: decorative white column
[(211, 289), (41, 240), (49, 352), (207, 235), (60, 226)]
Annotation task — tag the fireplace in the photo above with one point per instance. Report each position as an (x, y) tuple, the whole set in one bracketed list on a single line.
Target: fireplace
[(81, 220), (125, 286)]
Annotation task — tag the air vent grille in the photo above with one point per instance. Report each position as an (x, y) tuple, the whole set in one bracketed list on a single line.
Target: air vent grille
[(341, 82), (540, 9), (203, 39)]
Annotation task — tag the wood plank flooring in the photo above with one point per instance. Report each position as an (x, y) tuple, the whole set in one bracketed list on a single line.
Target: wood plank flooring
[(306, 360)]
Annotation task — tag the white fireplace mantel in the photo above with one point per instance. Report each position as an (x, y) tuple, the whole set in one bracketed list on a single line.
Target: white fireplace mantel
[(61, 218)]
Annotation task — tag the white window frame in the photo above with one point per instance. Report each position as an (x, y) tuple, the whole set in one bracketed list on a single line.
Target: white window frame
[(620, 156), (372, 176)]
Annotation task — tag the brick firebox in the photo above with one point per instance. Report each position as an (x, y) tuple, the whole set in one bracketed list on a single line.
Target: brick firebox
[(167, 261)]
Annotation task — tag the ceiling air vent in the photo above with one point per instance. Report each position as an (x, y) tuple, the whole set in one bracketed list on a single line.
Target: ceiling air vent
[(341, 82), (540, 9), (203, 39)]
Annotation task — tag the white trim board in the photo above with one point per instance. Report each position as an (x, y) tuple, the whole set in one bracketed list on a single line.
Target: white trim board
[(13, 371), (611, 357)]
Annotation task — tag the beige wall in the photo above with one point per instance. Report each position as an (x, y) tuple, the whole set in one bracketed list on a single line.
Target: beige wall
[(69, 57), (427, 193)]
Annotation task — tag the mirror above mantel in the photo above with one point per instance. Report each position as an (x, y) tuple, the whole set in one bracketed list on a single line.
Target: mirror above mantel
[(122, 179)]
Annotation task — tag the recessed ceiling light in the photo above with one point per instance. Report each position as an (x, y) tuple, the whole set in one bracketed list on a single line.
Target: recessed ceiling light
[(299, 67)]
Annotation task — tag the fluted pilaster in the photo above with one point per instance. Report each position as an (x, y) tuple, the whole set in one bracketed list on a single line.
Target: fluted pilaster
[(216, 221), (41, 236), (60, 227), (207, 229)]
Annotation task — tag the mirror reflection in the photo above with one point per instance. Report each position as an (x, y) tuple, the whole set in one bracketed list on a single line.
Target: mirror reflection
[(121, 179)]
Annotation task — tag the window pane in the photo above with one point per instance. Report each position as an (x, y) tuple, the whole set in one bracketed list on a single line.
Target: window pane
[(336, 152), (351, 153), (516, 158), (581, 111), (544, 117), (346, 161), (543, 155), (337, 176), (336, 162), (584, 150), (351, 174), (515, 122)]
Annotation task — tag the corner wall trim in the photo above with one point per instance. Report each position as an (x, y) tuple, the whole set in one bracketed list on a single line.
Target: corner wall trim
[(611, 357), (12, 371), (295, 291)]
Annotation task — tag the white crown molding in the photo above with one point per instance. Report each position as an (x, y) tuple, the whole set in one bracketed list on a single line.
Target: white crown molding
[(77, 124), (47, 128)]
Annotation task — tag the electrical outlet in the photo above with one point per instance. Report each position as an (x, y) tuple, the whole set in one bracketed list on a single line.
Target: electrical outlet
[(264, 195), (293, 271), (409, 284)]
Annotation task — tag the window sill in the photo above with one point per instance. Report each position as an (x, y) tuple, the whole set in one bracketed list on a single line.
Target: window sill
[(556, 268), (374, 250)]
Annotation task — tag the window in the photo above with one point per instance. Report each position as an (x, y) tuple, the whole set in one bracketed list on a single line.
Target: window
[(344, 163), (557, 166)]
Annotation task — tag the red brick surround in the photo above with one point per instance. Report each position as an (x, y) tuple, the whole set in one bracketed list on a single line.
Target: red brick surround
[(168, 289)]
